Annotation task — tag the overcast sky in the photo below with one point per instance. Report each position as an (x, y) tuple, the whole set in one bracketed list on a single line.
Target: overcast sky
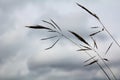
[(22, 54)]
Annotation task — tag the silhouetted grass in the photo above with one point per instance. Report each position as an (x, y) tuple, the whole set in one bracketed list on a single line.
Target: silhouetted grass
[(86, 47)]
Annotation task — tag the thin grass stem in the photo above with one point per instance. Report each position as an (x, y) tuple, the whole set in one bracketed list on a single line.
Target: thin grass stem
[(104, 71), (89, 56), (104, 63), (94, 15), (109, 33)]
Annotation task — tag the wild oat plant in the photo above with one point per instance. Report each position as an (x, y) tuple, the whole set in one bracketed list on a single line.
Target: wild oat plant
[(99, 60)]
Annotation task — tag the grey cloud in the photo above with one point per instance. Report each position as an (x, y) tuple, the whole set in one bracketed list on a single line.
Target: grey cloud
[(27, 77), (12, 40), (8, 51), (8, 8), (25, 43), (64, 64), (68, 66)]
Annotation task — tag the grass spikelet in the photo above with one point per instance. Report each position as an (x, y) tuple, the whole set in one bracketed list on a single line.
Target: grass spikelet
[(38, 27), (108, 48), (95, 33), (49, 38), (56, 24), (88, 11), (95, 44), (89, 59), (79, 37), (52, 45), (49, 23), (92, 62), (95, 27), (83, 49), (105, 59)]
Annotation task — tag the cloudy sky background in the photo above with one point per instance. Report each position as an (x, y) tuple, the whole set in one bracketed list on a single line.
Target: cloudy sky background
[(22, 54)]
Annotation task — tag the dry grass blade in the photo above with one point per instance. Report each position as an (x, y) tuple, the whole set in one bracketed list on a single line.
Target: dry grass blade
[(92, 62), (52, 45), (108, 48), (88, 11), (95, 27), (95, 33), (55, 24), (79, 37), (38, 27), (49, 23), (84, 49), (52, 31), (103, 29), (105, 59), (49, 38), (95, 44), (89, 59)]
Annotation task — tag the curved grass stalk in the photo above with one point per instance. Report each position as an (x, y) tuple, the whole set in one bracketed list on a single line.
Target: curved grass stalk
[(80, 38), (94, 15), (108, 77), (104, 63), (109, 33), (79, 45)]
